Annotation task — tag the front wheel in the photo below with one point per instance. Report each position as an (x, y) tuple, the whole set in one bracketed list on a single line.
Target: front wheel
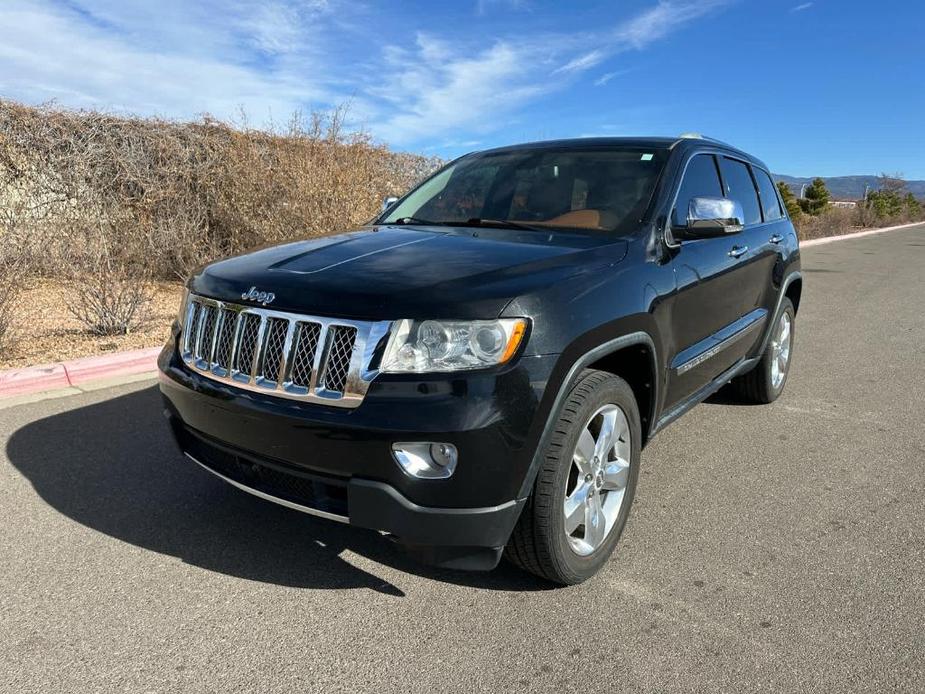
[(585, 487)]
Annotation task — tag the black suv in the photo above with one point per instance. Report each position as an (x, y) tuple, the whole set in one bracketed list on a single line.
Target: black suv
[(476, 371)]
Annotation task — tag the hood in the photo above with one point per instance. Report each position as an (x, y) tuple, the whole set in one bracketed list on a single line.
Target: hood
[(389, 272)]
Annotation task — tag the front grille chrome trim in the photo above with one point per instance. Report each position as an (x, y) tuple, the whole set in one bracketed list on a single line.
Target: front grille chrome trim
[(350, 387)]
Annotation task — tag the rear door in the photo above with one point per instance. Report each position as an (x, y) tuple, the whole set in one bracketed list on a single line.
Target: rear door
[(712, 310)]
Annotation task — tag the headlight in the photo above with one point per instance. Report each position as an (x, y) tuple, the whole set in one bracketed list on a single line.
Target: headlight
[(432, 345)]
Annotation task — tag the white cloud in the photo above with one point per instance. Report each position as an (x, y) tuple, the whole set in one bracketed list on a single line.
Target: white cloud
[(178, 59), (582, 62), (642, 30), (800, 8), (435, 87), (121, 57)]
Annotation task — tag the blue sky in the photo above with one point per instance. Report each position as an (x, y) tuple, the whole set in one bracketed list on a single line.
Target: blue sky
[(829, 87)]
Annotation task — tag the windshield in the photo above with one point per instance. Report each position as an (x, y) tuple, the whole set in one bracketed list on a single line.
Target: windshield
[(594, 189)]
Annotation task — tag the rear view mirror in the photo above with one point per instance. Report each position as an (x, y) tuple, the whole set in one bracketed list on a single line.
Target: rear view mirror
[(712, 217), (388, 202)]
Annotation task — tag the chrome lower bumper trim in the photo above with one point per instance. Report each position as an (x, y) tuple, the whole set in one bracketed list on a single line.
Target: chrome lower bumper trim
[(275, 499)]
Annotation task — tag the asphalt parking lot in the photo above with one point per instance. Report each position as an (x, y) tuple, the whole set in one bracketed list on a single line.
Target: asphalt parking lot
[(777, 548)]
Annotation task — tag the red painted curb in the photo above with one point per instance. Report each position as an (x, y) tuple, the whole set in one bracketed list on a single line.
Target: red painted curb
[(34, 379)]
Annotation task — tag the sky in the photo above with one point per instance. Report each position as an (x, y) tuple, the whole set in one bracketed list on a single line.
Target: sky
[(828, 87)]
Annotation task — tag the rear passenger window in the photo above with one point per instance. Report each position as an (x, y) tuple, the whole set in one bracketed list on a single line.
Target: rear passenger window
[(701, 180), (739, 186), (769, 201)]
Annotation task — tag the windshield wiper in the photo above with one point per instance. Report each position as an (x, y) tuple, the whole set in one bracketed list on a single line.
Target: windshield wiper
[(415, 220), (501, 223)]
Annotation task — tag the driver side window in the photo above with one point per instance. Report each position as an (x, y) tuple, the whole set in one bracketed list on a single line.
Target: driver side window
[(701, 179)]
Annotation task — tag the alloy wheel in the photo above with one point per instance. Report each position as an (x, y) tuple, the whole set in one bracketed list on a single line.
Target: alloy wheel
[(597, 479)]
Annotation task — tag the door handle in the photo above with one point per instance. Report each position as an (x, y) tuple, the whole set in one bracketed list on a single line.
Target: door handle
[(738, 251), (777, 238)]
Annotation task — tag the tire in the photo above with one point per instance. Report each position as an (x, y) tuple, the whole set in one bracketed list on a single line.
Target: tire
[(764, 384), (541, 543)]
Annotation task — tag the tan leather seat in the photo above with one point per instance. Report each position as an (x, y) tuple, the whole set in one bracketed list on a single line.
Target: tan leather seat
[(587, 219)]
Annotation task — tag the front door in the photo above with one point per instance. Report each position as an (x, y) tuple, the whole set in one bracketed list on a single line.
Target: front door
[(713, 314)]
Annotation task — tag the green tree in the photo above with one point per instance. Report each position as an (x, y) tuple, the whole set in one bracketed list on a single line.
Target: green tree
[(790, 200), (913, 206), (888, 201), (816, 198)]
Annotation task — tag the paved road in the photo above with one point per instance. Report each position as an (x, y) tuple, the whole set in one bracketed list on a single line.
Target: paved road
[(772, 548)]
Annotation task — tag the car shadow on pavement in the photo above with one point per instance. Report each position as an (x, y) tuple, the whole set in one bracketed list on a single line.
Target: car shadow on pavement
[(112, 466)]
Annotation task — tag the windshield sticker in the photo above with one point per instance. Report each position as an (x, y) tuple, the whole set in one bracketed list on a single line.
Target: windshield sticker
[(646, 157)]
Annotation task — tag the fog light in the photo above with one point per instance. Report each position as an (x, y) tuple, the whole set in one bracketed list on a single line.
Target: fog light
[(426, 460)]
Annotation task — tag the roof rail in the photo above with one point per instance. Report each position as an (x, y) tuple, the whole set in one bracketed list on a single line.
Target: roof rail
[(700, 136)]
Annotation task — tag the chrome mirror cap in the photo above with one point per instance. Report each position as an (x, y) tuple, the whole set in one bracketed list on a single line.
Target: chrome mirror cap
[(714, 217)]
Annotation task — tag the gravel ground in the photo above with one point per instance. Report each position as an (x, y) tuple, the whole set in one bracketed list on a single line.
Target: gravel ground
[(777, 548), (44, 331)]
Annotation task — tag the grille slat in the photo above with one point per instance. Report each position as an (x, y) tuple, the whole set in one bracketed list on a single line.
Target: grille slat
[(287, 355), (273, 342), (337, 366), (247, 344), (303, 359), (206, 333), (224, 337)]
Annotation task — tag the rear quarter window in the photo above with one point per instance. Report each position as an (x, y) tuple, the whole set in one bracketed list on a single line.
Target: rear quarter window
[(770, 203)]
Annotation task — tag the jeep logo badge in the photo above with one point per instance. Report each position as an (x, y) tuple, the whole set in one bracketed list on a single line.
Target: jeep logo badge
[(262, 298)]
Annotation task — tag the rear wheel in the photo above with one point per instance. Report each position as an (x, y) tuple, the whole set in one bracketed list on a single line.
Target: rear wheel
[(766, 381), (585, 487)]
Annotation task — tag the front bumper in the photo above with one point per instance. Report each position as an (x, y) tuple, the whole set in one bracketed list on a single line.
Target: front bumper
[(338, 463)]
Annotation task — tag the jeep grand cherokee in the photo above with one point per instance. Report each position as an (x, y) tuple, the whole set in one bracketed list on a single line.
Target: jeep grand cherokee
[(476, 371)]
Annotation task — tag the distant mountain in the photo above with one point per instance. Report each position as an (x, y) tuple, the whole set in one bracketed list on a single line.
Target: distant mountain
[(848, 187)]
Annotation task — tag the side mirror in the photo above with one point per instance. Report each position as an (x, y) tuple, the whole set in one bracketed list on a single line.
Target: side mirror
[(709, 218), (388, 202)]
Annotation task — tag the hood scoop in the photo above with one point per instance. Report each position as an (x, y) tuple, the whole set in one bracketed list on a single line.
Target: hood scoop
[(353, 248)]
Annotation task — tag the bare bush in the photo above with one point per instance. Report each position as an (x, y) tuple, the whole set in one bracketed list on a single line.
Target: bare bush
[(11, 275), (111, 300), (169, 196)]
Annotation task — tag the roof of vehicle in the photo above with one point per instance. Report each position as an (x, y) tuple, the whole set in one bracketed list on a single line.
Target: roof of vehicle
[(685, 142)]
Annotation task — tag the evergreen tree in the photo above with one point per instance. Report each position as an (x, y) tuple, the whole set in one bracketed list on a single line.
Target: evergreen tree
[(913, 206), (790, 200), (816, 198)]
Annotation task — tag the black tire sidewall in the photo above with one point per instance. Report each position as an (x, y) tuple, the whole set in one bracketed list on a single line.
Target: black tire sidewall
[(774, 393), (611, 390)]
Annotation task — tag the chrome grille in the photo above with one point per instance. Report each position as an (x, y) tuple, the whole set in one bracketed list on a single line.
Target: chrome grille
[(247, 343), (224, 338), (273, 343), (283, 354), (338, 362), (304, 354), (206, 333)]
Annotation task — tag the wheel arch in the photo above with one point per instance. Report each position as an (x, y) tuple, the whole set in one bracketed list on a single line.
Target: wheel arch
[(633, 354), (794, 291)]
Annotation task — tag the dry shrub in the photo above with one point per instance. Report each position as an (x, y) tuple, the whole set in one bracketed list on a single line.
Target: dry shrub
[(169, 196), (832, 222), (112, 299), (11, 276)]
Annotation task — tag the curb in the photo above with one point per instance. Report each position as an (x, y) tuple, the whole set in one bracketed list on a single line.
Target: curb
[(34, 379), (857, 234)]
